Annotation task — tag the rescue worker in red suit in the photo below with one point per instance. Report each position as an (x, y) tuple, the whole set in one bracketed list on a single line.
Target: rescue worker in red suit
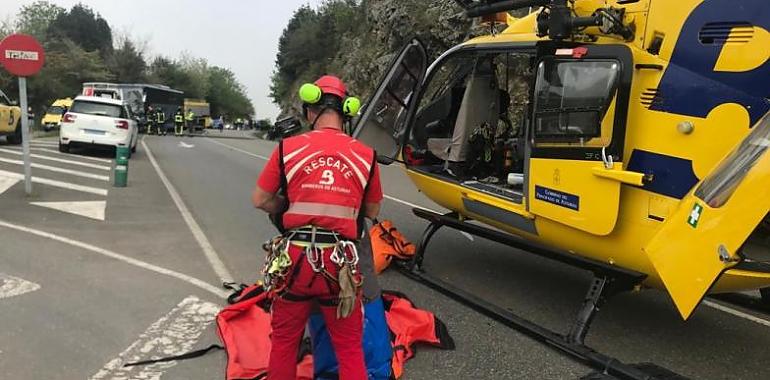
[(331, 182)]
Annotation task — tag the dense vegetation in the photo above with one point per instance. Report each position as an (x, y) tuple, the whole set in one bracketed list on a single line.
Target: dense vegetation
[(81, 47), (356, 39)]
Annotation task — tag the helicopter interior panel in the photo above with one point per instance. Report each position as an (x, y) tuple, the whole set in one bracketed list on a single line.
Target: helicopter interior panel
[(470, 121)]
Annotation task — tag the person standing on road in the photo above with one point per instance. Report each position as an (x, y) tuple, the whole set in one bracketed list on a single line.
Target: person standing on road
[(190, 121), (331, 183), (149, 118), (160, 121), (178, 122)]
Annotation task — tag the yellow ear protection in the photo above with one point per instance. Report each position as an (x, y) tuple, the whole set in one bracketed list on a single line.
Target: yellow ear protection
[(311, 94)]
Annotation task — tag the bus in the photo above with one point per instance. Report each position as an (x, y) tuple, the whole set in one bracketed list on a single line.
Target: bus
[(138, 97)]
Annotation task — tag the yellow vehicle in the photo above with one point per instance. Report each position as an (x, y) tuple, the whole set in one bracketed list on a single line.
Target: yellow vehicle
[(52, 118), (627, 136), (202, 111), (10, 117)]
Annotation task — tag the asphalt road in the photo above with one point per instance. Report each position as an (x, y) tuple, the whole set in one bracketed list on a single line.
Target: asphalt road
[(88, 309)]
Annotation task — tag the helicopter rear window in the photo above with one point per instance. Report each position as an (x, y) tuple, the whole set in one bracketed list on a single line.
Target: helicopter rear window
[(572, 97)]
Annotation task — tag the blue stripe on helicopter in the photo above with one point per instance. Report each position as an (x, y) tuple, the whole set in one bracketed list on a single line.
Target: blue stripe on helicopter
[(672, 176), (691, 87)]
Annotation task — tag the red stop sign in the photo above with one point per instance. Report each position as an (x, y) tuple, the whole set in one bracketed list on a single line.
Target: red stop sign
[(21, 55)]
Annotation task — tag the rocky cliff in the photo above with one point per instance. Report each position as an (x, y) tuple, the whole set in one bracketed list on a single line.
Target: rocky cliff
[(365, 37)]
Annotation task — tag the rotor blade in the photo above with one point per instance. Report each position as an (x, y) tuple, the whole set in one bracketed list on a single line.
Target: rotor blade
[(502, 6)]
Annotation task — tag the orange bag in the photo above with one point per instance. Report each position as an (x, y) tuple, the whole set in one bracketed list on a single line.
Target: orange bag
[(387, 243)]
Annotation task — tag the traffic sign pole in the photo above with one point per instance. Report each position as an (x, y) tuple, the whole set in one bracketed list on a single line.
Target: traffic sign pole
[(25, 135), (23, 56)]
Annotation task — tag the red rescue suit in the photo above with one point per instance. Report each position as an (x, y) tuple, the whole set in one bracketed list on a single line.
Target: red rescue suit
[(328, 177)]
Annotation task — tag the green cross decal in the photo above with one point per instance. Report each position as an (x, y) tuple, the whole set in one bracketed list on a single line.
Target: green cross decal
[(697, 211)]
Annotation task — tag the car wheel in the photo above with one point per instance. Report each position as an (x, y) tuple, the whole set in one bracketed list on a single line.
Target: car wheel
[(64, 148)]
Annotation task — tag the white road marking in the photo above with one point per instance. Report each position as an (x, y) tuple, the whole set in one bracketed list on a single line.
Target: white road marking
[(173, 334), (55, 183), (719, 307), (211, 254), (13, 286), (54, 151), (48, 158), (74, 155), (129, 260), (186, 145), (58, 170), (736, 313), (238, 149), (6, 183), (88, 209)]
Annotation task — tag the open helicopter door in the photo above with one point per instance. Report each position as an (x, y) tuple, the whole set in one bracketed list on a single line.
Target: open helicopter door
[(577, 136), (703, 237), (383, 122)]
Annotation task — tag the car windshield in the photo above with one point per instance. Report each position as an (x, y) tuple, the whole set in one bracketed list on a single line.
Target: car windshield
[(54, 110), (98, 109)]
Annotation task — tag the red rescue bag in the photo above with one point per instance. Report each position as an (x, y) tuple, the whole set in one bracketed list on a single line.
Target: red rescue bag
[(408, 326), (244, 328)]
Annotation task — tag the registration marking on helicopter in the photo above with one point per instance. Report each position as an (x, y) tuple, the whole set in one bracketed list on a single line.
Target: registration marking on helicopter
[(557, 197)]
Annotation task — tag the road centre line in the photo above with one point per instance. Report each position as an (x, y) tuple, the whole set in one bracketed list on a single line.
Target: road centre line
[(55, 183), (75, 173), (126, 259), (71, 162), (43, 142), (211, 254), (713, 305), (238, 149), (173, 334)]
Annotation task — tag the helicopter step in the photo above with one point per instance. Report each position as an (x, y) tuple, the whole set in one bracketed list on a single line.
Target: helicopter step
[(607, 282)]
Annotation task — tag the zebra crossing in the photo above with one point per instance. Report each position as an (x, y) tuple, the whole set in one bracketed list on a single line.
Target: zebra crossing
[(70, 183)]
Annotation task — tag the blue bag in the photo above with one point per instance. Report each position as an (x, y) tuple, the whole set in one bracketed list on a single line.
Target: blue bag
[(377, 347)]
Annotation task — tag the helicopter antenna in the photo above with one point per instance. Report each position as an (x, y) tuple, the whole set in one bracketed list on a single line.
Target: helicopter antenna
[(556, 20)]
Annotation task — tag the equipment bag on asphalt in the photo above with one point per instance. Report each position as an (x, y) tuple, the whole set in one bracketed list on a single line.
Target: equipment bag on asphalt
[(244, 330), (388, 243)]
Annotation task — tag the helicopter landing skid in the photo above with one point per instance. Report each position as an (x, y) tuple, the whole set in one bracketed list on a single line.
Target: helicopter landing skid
[(608, 281)]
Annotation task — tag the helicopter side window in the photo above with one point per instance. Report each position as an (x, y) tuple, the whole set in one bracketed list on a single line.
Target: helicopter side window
[(572, 99)]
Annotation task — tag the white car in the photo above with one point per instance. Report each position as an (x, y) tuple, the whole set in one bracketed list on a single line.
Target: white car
[(95, 120)]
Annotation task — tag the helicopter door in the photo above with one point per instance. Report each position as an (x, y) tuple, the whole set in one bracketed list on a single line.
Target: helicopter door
[(382, 123), (702, 238), (577, 134)]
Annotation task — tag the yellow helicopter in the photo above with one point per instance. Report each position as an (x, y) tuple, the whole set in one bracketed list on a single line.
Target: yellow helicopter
[(626, 137)]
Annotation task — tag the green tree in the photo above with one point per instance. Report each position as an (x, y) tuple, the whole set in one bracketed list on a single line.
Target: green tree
[(84, 27), (127, 64), (198, 72), (34, 19), (67, 66), (226, 95)]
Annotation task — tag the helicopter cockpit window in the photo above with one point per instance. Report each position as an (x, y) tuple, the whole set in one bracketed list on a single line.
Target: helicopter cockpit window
[(572, 99)]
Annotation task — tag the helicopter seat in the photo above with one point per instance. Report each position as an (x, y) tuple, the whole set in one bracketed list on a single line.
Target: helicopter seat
[(479, 106)]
